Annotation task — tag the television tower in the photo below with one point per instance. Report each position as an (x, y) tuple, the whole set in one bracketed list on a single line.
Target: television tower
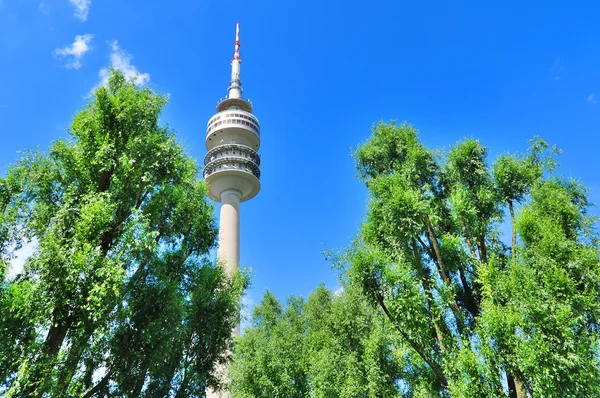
[(231, 166)]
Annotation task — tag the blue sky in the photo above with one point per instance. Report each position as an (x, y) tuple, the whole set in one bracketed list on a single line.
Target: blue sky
[(319, 75)]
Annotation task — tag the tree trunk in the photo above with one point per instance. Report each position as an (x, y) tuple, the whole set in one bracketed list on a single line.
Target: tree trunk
[(140, 383), (436, 248), (472, 304), (70, 365), (430, 300), (469, 243), (482, 249), (44, 365), (438, 331), (513, 232), (440, 262), (182, 387), (515, 387), (56, 335)]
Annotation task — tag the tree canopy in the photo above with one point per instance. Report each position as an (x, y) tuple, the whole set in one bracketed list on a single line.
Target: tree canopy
[(327, 346), (118, 298), (482, 318), (461, 310)]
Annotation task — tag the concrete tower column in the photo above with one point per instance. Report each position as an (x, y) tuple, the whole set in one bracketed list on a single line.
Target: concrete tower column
[(228, 255), (229, 231)]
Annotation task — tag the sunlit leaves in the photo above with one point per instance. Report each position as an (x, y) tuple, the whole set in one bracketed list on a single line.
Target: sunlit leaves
[(118, 298), (332, 345), (431, 255)]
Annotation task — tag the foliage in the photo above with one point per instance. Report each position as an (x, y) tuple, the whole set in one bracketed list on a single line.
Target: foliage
[(452, 310), (479, 317), (118, 298), (328, 346)]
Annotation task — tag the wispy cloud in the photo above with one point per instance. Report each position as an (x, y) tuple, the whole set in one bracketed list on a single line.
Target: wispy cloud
[(82, 9), (557, 71), (43, 8), (121, 61), (592, 98), (75, 51)]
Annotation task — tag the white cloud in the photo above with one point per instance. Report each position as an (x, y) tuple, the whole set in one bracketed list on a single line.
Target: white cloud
[(21, 256), (75, 51), (121, 61), (557, 71), (43, 8), (82, 8), (592, 98)]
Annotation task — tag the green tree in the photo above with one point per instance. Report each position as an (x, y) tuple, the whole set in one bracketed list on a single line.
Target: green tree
[(118, 298), (329, 346), (269, 358), (469, 310)]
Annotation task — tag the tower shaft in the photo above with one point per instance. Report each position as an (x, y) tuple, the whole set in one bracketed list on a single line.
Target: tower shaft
[(229, 231)]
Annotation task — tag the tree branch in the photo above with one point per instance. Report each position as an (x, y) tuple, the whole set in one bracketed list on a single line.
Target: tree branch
[(427, 287), (440, 262), (434, 366), (436, 249), (99, 386), (513, 232)]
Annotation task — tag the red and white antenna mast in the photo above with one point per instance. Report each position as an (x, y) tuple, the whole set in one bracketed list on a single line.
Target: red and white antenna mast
[(235, 87), (236, 53)]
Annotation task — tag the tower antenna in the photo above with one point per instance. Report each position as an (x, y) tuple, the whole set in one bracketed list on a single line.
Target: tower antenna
[(235, 88), (237, 44)]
